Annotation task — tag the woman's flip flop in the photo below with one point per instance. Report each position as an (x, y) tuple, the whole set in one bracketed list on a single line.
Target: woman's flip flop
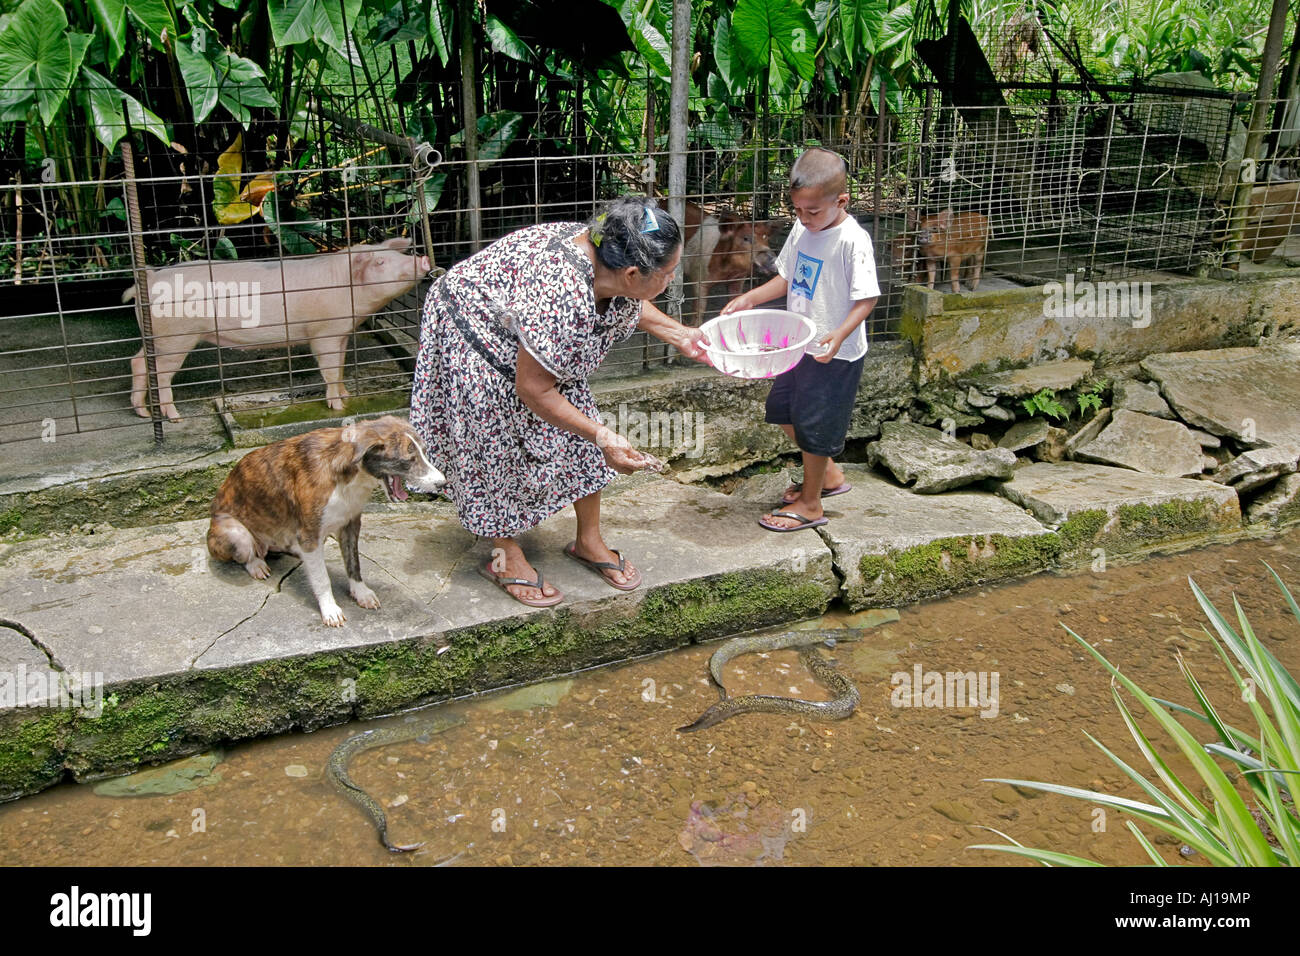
[(600, 567), (804, 522), (502, 583)]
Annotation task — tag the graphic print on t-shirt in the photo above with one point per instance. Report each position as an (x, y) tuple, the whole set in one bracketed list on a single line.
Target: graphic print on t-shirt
[(807, 271)]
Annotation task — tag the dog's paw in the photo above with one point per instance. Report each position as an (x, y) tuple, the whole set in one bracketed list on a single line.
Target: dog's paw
[(332, 615), (362, 594), (258, 569)]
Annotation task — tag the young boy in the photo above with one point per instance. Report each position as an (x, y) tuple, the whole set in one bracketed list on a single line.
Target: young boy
[(827, 268)]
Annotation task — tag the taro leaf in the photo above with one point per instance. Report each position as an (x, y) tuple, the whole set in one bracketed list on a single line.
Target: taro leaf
[(226, 204), (860, 23), (154, 16), (110, 23), (440, 29), (398, 26), (36, 60), (105, 102), (496, 131), (200, 80), (648, 40), (324, 21), (769, 31), (292, 230), (731, 66), (240, 85), (505, 40), (255, 192)]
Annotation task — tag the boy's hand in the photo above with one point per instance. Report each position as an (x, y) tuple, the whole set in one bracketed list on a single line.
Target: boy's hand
[(832, 345), (740, 303)]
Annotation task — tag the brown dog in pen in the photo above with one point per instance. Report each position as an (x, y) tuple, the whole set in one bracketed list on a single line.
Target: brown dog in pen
[(290, 496)]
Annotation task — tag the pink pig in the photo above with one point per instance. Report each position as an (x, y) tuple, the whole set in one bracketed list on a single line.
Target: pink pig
[(264, 303)]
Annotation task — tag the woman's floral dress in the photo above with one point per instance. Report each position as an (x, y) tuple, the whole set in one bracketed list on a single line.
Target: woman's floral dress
[(506, 469)]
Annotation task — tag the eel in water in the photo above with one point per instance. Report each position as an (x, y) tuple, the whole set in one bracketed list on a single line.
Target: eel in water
[(845, 698), (337, 766)]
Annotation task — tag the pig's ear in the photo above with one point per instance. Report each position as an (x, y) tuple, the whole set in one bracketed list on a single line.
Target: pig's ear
[(945, 219), (401, 243), (359, 261)]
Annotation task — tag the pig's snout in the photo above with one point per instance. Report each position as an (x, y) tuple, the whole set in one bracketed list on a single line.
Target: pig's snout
[(765, 259)]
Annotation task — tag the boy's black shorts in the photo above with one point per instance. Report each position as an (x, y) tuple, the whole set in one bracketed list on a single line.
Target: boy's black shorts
[(817, 399)]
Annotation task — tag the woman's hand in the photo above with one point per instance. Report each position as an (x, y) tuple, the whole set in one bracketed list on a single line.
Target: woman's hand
[(691, 343), (619, 453)]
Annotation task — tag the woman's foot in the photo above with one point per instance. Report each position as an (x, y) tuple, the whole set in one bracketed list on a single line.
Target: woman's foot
[(509, 562), (606, 562)]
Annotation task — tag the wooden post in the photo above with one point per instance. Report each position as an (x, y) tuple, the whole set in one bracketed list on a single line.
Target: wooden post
[(1259, 114), (469, 107)]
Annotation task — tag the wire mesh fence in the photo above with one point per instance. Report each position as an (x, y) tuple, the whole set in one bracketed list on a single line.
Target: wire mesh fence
[(1032, 190)]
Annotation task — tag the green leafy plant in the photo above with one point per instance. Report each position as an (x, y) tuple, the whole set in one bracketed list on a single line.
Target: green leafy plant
[(1046, 403), (1227, 832), (1090, 396)]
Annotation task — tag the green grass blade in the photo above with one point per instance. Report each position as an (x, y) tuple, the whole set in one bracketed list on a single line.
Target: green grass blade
[(1045, 857), (1156, 858), (1178, 822), (1228, 801)]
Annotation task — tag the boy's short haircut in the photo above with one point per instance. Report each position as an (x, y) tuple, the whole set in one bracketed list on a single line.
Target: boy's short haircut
[(822, 170)]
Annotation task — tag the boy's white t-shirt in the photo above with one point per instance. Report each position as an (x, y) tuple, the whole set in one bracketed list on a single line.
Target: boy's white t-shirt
[(828, 271)]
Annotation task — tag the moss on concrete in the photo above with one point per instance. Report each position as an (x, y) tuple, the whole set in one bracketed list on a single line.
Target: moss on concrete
[(126, 501), (31, 749), (948, 564), (162, 720)]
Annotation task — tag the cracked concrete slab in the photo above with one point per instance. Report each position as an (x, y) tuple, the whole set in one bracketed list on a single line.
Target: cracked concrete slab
[(893, 546), (198, 652), (1120, 508), (1250, 394)]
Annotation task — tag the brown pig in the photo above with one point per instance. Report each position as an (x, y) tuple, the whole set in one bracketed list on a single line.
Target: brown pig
[(723, 247), (953, 237), (319, 300)]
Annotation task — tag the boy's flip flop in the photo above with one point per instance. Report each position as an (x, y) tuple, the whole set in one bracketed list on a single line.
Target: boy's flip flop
[(826, 492), (600, 567), (804, 522), (502, 583)]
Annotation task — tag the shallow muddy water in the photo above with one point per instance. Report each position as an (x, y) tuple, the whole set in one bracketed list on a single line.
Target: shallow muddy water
[(591, 770)]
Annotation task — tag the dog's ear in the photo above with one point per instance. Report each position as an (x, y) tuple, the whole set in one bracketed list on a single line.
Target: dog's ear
[(357, 440)]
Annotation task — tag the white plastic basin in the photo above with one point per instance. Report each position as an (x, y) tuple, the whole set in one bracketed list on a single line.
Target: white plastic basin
[(757, 343)]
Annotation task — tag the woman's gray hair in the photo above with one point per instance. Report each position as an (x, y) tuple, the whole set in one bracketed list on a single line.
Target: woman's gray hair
[(634, 231)]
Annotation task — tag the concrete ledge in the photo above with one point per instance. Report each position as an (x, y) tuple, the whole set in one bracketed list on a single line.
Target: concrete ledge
[(897, 547), (1118, 510), (970, 334), (193, 654)]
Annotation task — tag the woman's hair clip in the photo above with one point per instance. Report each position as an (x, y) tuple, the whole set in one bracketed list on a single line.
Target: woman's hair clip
[(596, 236), (651, 223)]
